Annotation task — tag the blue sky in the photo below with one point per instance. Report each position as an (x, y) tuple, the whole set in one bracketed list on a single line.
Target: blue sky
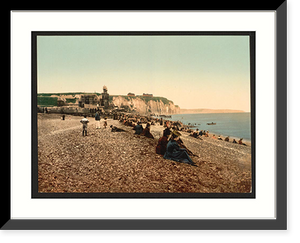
[(210, 72)]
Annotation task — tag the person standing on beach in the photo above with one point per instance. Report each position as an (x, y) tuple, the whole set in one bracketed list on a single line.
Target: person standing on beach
[(97, 118), (84, 122)]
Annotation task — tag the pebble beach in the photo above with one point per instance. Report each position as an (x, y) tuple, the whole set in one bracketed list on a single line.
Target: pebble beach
[(122, 162)]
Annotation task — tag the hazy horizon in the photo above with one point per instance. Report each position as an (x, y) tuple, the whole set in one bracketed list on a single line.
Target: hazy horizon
[(210, 72)]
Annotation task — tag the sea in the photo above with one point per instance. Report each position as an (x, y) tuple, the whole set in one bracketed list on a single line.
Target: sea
[(234, 125)]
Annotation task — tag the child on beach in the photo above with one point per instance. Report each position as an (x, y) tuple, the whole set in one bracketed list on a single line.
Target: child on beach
[(105, 122), (84, 122), (206, 134)]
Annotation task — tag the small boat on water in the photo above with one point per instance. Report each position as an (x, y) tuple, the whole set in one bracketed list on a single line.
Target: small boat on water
[(166, 116), (211, 123)]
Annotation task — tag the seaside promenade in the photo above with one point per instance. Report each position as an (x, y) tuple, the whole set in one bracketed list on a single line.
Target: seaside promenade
[(121, 162)]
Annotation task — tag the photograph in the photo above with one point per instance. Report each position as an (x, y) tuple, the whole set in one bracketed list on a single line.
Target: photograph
[(143, 114)]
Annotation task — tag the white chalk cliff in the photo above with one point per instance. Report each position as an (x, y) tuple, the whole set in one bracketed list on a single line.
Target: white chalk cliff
[(146, 106)]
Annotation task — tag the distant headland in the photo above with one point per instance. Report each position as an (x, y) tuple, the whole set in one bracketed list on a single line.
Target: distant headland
[(197, 111)]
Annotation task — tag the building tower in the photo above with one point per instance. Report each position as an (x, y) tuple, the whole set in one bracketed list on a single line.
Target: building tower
[(105, 98)]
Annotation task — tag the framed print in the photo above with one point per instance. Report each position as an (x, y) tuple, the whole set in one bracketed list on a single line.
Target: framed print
[(156, 114), (148, 122)]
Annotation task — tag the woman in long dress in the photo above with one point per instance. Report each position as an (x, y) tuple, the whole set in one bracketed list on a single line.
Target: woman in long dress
[(161, 146), (174, 152)]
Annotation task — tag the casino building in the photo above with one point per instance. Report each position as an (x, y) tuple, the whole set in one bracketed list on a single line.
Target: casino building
[(93, 101)]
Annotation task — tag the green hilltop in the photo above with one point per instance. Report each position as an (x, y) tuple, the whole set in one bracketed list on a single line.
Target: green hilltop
[(45, 99)]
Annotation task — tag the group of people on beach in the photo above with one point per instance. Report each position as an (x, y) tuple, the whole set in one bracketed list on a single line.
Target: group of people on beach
[(198, 134), (226, 139), (170, 145), (85, 122)]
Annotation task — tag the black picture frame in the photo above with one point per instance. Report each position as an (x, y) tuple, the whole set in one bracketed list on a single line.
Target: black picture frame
[(279, 223)]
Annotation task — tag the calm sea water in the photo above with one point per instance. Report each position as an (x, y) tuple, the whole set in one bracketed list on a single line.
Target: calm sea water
[(227, 124)]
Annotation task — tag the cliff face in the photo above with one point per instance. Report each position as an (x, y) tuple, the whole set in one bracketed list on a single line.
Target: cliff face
[(139, 104), (146, 106)]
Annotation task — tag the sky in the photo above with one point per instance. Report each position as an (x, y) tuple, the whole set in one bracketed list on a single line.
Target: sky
[(211, 72)]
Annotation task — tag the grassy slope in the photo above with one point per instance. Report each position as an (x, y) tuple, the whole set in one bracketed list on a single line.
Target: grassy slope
[(44, 99)]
